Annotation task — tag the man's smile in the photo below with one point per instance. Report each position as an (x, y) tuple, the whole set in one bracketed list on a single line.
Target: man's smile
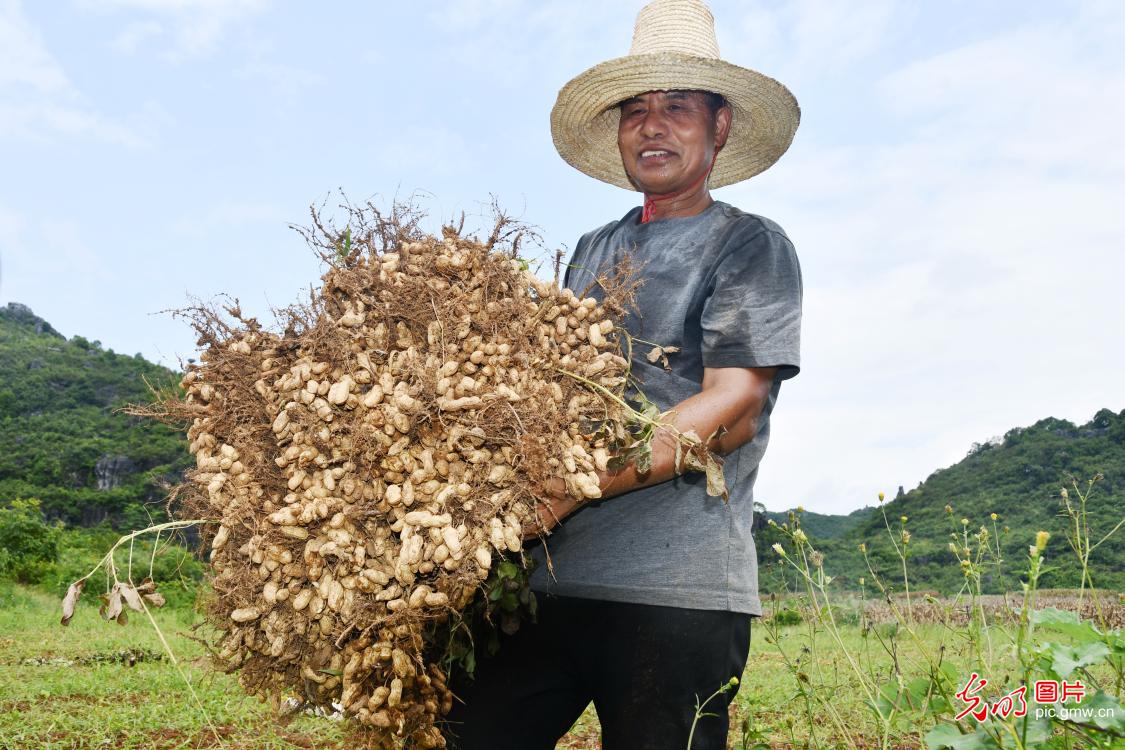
[(651, 155)]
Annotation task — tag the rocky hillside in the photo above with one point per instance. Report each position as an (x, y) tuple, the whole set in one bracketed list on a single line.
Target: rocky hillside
[(62, 438)]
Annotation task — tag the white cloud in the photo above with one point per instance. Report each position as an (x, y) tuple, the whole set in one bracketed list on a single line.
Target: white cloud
[(132, 36), (1036, 96), (45, 122), (469, 15), (959, 267), (24, 59), (286, 83), (499, 37), (36, 257), (38, 102), (219, 219), (11, 229), (807, 37), (197, 26), (423, 152)]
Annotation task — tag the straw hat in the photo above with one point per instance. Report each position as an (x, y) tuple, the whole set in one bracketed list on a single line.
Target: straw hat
[(674, 48)]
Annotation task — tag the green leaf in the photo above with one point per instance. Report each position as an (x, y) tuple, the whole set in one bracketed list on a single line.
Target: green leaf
[(1066, 659), (1034, 731), (644, 460), (469, 662), (885, 703), (1064, 622), (333, 672), (948, 737), (917, 689), (344, 248), (507, 569)]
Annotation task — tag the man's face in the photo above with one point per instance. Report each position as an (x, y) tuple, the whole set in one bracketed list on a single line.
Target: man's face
[(668, 138)]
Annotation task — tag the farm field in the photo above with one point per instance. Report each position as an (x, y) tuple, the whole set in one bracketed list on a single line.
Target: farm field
[(100, 685)]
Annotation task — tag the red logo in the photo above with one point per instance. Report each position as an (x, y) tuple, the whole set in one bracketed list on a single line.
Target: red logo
[(1015, 702)]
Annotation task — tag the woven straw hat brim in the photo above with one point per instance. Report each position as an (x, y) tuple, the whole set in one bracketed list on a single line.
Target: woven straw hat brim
[(585, 117)]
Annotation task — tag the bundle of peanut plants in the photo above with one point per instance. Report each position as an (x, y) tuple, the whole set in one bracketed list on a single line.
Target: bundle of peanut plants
[(364, 468)]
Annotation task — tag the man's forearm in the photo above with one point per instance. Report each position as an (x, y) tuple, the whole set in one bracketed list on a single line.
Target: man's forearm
[(730, 403)]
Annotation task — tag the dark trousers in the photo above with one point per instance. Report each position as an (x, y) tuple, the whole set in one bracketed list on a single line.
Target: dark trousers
[(644, 667)]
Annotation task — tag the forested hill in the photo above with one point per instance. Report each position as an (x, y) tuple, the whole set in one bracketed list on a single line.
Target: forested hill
[(1018, 477), (62, 439), (825, 525)]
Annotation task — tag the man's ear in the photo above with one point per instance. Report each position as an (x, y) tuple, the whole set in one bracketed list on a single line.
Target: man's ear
[(722, 125)]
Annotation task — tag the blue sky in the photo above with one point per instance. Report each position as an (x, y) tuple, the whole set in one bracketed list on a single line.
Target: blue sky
[(953, 192)]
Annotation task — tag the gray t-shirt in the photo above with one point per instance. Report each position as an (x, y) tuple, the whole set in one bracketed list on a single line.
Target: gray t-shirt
[(725, 287)]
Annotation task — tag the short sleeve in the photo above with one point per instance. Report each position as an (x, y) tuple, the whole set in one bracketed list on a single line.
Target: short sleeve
[(752, 317)]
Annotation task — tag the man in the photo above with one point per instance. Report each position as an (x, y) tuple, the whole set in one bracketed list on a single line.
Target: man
[(648, 608)]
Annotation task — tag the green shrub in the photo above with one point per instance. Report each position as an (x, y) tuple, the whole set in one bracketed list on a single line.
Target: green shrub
[(30, 544), (787, 616)]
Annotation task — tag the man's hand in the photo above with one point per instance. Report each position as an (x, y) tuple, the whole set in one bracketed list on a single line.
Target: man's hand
[(551, 510)]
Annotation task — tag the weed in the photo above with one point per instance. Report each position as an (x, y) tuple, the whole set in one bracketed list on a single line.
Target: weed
[(963, 679)]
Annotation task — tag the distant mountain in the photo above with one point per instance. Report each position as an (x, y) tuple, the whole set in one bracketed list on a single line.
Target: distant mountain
[(1018, 477), (825, 525), (62, 439)]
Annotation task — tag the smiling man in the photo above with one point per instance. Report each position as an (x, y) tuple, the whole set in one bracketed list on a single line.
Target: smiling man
[(653, 586)]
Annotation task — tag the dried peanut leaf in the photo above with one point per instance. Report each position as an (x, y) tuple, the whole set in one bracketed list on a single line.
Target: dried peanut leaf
[(112, 609), (70, 600), (696, 459), (660, 354), (716, 484), (132, 598), (155, 599), (147, 586)]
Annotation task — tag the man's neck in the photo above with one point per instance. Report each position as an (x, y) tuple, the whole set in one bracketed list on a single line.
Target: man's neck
[(676, 206)]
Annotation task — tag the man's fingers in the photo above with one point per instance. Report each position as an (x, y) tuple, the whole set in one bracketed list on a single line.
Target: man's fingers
[(545, 520)]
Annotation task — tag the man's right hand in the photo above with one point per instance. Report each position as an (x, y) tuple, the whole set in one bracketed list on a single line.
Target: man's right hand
[(556, 505)]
